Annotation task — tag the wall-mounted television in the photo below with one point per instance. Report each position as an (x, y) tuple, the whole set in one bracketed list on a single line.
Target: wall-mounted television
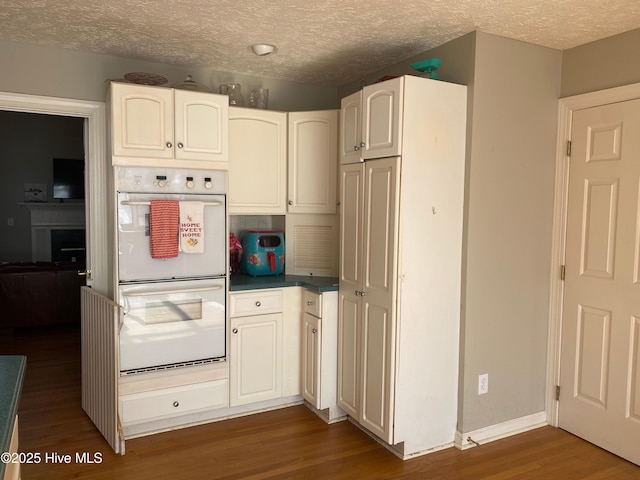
[(68, 179)]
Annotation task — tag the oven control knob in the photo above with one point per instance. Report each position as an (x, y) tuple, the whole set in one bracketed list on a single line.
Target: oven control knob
[(162, 183), (190, 183), (207, 182)]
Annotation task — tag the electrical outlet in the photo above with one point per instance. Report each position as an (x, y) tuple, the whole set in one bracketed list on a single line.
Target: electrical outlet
[(483, 383)]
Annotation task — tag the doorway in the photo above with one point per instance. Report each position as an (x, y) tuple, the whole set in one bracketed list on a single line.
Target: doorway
[(98, 173), (594, 352)]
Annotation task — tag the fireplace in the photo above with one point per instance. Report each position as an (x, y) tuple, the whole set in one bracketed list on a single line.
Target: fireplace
[(68, 220)]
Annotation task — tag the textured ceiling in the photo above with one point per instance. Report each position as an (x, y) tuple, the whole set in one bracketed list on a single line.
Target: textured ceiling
[(330, 42)]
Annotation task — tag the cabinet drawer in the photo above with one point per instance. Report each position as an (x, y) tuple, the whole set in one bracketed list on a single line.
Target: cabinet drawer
[(167, 402), (256, 302), (312, 303)]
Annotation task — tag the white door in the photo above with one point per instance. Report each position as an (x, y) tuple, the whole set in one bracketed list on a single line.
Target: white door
[(600, 362), (313, 161), (201, 125), (382, 111), (141, 121), (349, 299), (378, 310), (256, 359), (351, 128), (311, 360), (257, 161)]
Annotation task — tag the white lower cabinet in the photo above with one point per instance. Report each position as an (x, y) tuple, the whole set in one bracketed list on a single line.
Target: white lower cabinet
[(265, 345), (320, 352), (255, 358), (169, 402), (311, 359)]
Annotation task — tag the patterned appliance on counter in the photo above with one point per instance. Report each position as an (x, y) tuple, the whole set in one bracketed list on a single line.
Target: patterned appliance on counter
[(263, 253)]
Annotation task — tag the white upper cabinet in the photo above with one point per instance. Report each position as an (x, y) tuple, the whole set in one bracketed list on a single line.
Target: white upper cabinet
[(351, 128), (382, 119), (201, 121), (257, 161), (371, 122), (313, 161), (166, 127)]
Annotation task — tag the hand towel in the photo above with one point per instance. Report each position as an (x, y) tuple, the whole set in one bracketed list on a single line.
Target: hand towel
[(192, 227), (164, 216)]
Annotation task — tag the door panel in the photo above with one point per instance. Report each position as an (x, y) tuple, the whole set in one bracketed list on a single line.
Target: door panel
[(351, 128), (201, 126), (348, 347), (377, 347), (599, 379), (378, 296), (382, 118)]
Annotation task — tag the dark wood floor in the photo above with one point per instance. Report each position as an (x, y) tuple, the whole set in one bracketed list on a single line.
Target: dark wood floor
[(291, 443)]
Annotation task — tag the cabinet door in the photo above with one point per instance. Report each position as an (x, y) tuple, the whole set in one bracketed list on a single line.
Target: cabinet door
[(255, 359), (201, 125), (313, 160), (142, 121), (257, 161), (379, 263), (351, 128), (382, 118), (349, 308), (350, 276), (311, 358)]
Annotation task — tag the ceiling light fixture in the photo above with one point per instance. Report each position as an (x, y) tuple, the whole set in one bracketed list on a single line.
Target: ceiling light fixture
[(262, 49)]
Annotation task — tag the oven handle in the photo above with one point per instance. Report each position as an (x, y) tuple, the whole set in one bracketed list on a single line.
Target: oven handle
[(167, 292), (130, 202)]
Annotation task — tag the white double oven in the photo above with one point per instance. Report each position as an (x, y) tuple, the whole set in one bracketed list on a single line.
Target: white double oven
[(174, 308)]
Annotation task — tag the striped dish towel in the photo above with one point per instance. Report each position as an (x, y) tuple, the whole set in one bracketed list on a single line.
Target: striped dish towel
[(164, 218)]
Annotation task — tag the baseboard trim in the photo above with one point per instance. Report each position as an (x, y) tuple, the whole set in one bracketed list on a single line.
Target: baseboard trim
[(500, 430)]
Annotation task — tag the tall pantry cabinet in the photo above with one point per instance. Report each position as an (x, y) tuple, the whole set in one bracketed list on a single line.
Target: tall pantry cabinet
[(402, 146)]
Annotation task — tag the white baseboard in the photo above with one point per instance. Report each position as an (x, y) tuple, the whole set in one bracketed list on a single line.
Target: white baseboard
[(500, 430)]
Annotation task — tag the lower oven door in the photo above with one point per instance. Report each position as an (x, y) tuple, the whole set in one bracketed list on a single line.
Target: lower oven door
[(170, 324)]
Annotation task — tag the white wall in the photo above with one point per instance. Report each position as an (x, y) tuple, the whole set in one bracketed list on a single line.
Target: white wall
[(79, 75)]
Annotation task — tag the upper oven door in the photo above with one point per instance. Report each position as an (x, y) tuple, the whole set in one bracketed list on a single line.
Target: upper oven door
[(135, 262)]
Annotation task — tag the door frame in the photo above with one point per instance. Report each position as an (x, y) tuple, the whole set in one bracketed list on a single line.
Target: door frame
[(97, 172), (567, 106)]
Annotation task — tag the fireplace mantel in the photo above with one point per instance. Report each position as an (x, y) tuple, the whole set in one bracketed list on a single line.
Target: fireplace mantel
[(51, 216)]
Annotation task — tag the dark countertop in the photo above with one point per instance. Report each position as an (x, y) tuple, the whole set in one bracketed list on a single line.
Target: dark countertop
[(241, 282), (12, 368)]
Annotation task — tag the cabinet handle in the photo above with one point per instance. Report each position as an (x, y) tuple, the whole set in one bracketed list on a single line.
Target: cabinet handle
[(315, 330), (363, 145), (356, 148), (176, 404), (235, 330), (258, 304), (169, 145), (309, 303), (290, 202), (180, 145), (360, 293)]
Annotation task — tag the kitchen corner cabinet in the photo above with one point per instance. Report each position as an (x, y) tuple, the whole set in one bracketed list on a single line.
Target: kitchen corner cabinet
[(371, 122), (158, 126), (313, 161), (400, 263), (257, 161)]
